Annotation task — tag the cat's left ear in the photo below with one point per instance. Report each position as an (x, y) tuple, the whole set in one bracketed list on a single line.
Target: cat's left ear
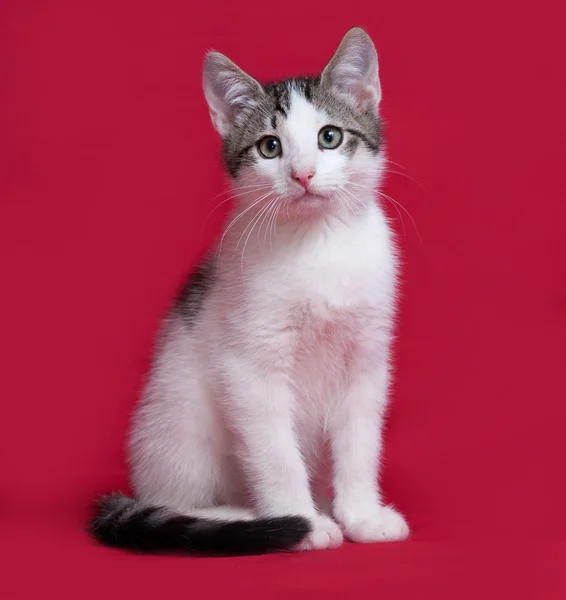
[(353, 71)]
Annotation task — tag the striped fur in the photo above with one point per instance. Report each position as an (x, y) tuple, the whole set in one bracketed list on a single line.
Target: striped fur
[(123, 522), (273, 105)]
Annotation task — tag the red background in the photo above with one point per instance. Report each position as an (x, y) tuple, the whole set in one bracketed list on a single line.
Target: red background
[(108, 168)]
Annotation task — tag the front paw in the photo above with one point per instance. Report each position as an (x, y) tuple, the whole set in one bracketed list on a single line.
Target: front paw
[(326, 534), (382, 524)]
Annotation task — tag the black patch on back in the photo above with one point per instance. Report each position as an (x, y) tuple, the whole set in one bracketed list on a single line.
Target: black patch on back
[(189, 300), (123, 522)]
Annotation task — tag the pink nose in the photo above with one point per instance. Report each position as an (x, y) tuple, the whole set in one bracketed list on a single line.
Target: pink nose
[(303, 177)]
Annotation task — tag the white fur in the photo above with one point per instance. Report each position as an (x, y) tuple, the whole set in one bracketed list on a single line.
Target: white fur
[(277, 392)]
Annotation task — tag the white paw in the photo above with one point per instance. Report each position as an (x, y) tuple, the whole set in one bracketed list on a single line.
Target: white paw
[(384, 524), (325, 535)]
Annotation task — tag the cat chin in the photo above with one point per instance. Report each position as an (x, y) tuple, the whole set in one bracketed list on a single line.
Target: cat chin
[(314, 205), (311, 205)]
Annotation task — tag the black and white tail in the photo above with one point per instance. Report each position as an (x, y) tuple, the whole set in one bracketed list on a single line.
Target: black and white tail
[(123, 522)]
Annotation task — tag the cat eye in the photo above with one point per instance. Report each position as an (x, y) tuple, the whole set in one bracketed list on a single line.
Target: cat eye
[(269, 146), (329, 137)]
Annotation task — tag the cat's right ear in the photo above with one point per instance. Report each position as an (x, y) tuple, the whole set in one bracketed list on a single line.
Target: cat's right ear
[(228, 90)]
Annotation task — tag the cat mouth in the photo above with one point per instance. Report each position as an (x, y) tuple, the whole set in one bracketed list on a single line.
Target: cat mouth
[(310, 197)]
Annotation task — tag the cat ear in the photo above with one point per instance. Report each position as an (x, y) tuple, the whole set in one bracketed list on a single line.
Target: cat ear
[(228, 90), (353, 71)]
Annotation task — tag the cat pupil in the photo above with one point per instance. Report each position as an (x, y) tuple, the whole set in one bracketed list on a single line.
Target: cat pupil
[(328, 136)]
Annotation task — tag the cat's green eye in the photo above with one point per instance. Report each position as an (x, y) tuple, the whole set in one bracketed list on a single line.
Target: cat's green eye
[(269, 146), (329, 137)]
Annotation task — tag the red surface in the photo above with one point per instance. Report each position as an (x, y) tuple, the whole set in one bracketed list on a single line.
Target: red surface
[(109, 167)]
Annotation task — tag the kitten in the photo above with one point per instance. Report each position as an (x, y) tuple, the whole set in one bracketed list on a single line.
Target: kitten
[(260, 425)]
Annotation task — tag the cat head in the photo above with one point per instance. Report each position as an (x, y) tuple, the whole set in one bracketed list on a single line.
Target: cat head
[(310, 143)]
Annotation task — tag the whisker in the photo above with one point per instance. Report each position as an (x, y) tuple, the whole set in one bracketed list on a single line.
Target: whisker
[(273, 227), (395, 202), (404, 174), (220, 204), (266, 219), (255, 189), (268, 216), (341, 199), (398, 213), (254, 223), (387, 171), (355, 198), (240, 188), (251, 221), (237, 218)]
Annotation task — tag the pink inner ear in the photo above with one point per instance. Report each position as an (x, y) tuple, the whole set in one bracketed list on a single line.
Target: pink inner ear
[(368, 96), (364, 96)]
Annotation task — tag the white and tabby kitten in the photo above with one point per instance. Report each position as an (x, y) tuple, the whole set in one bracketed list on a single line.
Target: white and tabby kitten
[(260, 425)]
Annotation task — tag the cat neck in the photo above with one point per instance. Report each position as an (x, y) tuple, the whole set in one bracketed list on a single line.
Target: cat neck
[(248, 237)]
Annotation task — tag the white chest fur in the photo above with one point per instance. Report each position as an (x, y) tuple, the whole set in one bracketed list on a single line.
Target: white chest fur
[(337, 267), (315, 301)]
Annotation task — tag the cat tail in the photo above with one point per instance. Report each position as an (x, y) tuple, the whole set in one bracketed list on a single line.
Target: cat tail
[(124, 522)]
